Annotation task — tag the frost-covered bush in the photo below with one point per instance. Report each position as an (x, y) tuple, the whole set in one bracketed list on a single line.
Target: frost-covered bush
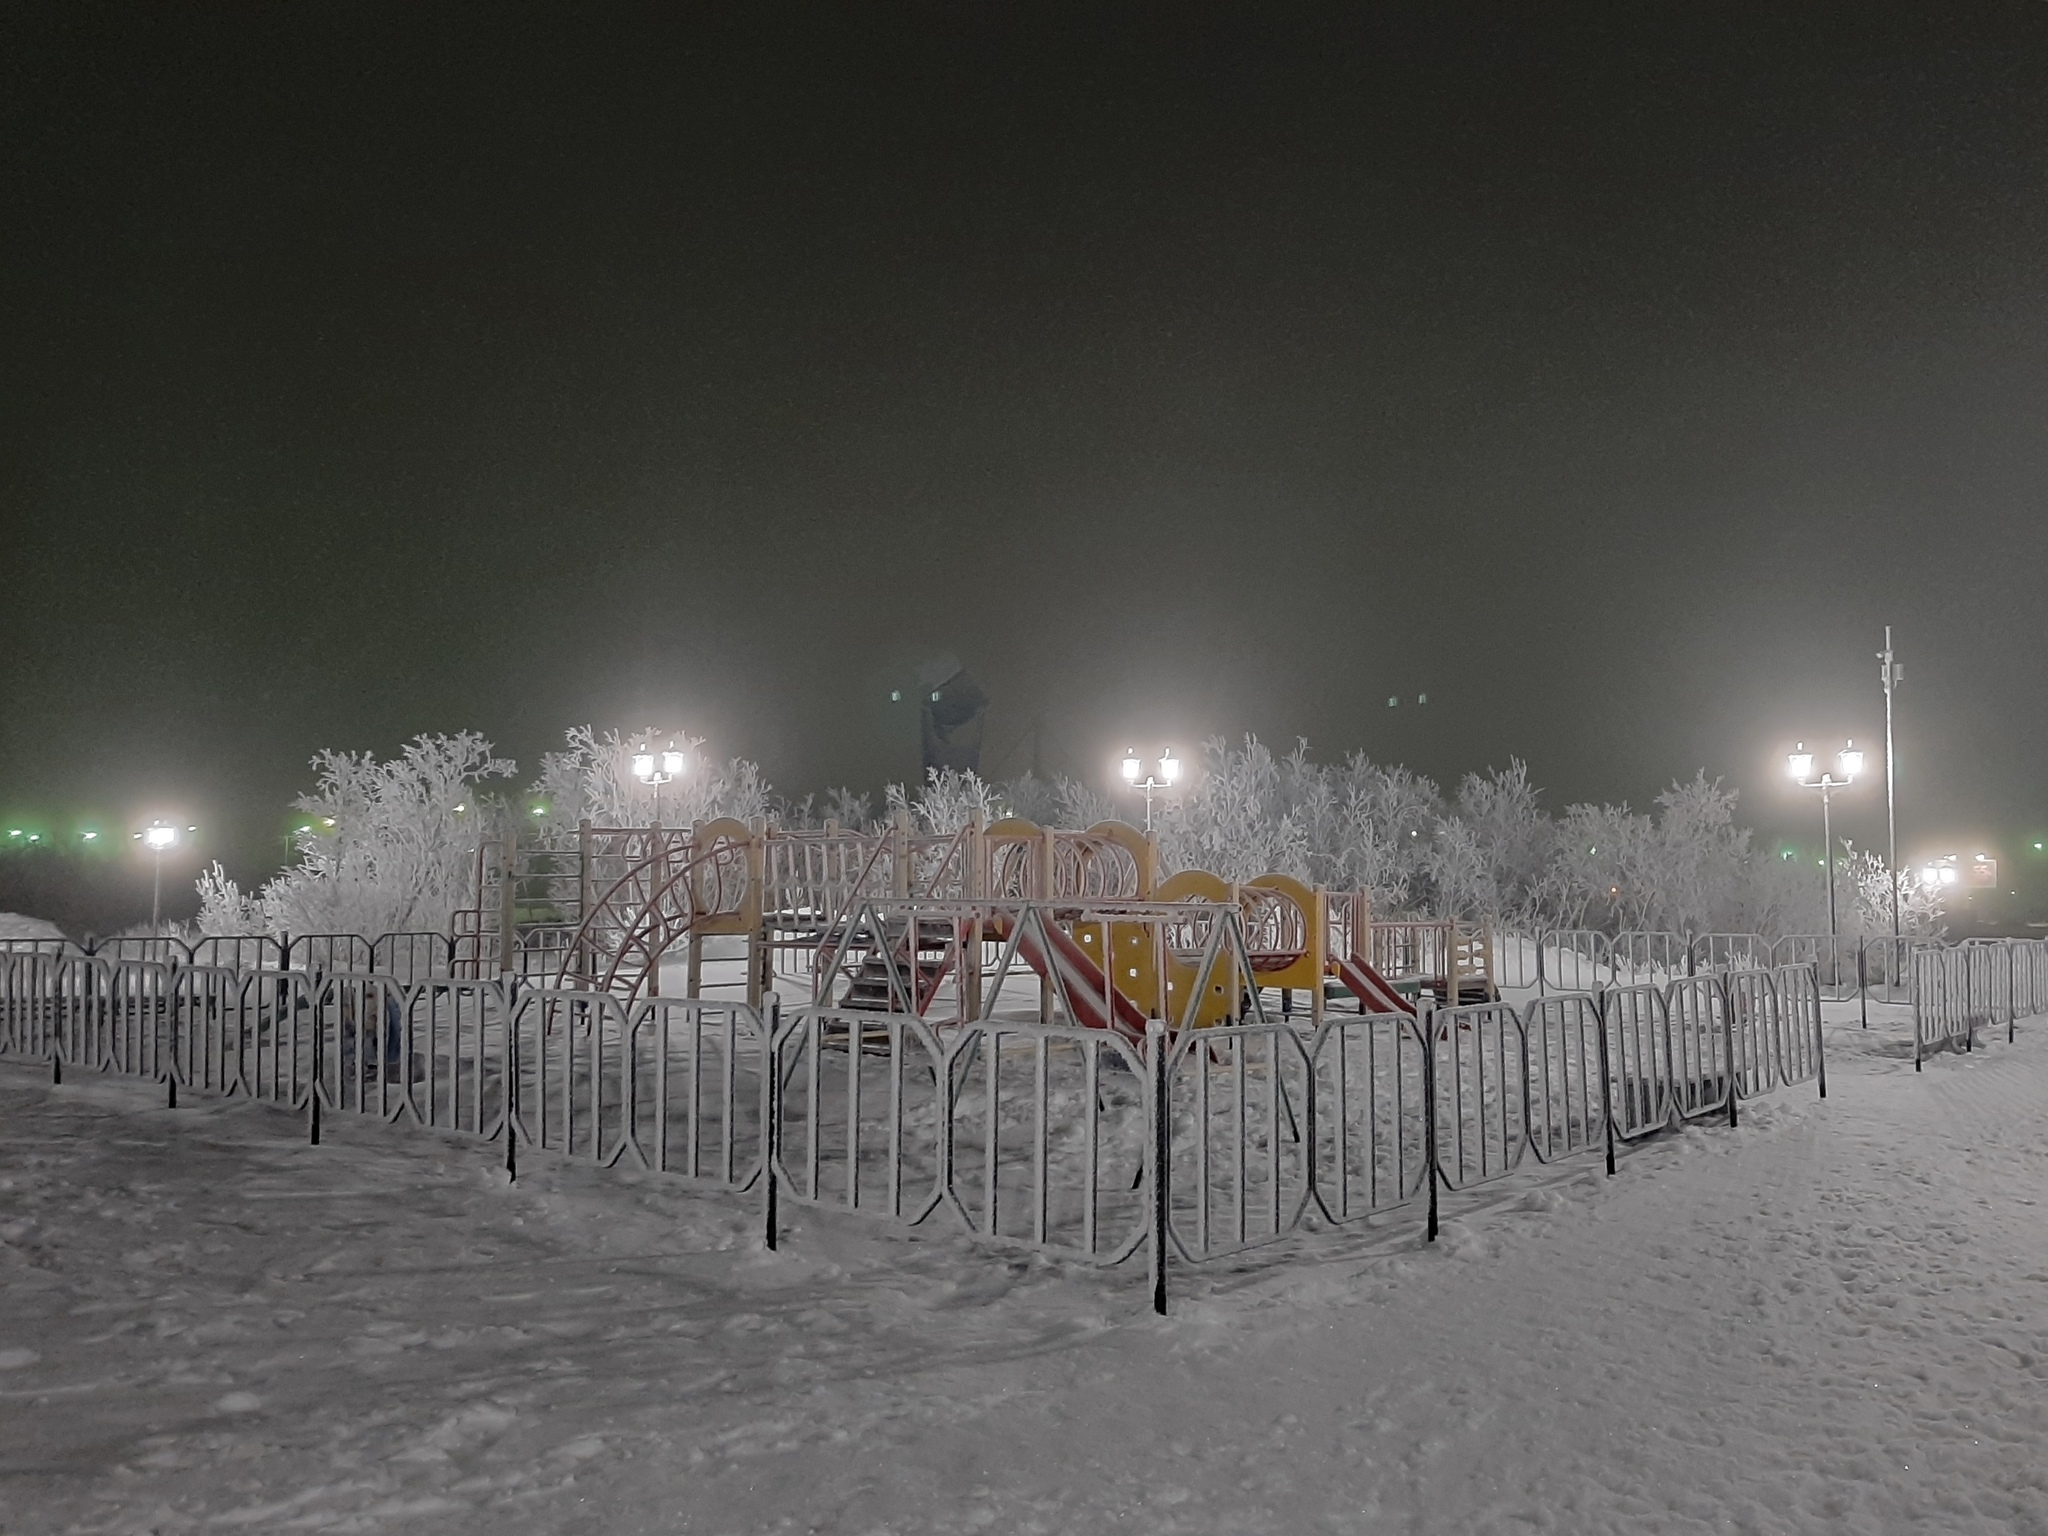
[(1864, 893), (387, 846)]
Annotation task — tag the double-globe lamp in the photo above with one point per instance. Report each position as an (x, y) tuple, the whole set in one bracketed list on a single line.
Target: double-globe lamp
[(672, 764), (1849, 763), (1164, 777)]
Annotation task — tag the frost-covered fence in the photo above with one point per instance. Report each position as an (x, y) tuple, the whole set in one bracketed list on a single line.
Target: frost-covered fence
[(1586, 960), (1188, 1148), (1981, 983)]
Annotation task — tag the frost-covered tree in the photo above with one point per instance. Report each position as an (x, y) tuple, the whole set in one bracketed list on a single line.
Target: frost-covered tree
[(592, 780), (1058, 802), (950, 799), (1234, 816), (387, 846), (1488, 856), (1864, 893)]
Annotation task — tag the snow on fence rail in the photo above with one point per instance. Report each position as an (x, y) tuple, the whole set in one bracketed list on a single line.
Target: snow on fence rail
[(1190, 1147)]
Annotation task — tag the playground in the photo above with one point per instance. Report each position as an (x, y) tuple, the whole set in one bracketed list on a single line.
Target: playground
[(898, 921), (923, 1030)]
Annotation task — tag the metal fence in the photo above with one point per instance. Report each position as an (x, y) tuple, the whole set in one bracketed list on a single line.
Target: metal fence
[(1190, 1146), (407, 956), (1979, 984), (1584, 959)]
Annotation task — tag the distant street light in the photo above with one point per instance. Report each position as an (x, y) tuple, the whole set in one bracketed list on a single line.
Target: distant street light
[(671, 765), (158, 836), (1940, 873), (1849, 761), (1166, 777)]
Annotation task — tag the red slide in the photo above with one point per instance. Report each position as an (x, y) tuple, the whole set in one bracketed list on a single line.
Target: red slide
[(1371, 988), (1081, 983)]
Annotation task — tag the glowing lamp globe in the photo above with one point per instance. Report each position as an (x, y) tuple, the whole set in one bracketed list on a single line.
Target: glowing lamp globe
[(643, 764), (1799, 763), (1169, 767), (1130, 768), (672, 761), (1851, 761), (160, 836)]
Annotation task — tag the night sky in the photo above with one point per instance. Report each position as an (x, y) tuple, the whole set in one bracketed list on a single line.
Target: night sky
[(1612, 376)]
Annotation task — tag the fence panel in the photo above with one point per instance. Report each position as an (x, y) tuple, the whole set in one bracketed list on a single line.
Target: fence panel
[(1832, 957), (1796, 1036), (1942, 1018), (1639, 1059), (1752, 1026), (29, 1020), (571, 1049), (693, 1094), (1370, 1113), (2031, 977), (37, 947), (412, 957), (160, 949), (360, 1022), (861, 1103), (1516, 956), (133, 1018), (1696, 1010), (1649, 958), (1730, 952), (1574, 960), (1046, 1134), (238, 952), (322, 953), (1239, 1098), (1478, 1067), (1566, 1111)]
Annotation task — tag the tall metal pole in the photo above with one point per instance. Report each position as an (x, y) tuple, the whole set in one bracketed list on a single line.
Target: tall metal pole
[(1891, 818), (156, 894), (1827, 832)]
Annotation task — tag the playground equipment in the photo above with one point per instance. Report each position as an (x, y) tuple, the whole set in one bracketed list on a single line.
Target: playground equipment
[(936, 925)]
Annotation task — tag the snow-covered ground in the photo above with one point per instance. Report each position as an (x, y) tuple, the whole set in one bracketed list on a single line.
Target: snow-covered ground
[(1833, 1319)]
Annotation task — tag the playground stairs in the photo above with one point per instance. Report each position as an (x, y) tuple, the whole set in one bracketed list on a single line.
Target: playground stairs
[(869, 990)]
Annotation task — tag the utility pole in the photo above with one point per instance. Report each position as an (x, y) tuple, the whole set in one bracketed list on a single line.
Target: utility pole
[(1892, 674)]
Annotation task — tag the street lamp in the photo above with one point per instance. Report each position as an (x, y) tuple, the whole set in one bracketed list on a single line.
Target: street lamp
[(1167, 775), (158, 836), (671, 764), (1849, 761)]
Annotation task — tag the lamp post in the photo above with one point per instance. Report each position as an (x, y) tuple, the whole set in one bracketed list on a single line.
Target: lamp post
[(645, 769), (158, 836), (1166, 776), (1799, 763)]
